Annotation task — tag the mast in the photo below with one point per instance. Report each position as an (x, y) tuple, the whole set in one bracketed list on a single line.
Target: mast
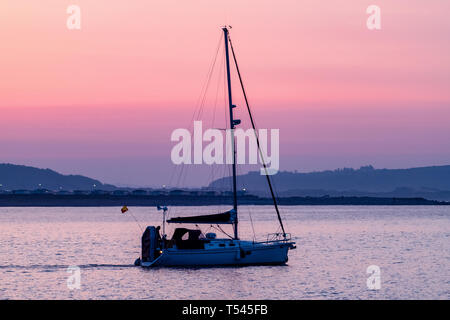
[(232, 125)]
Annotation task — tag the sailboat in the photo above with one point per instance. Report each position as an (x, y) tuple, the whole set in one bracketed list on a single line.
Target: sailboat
[(190, 248)]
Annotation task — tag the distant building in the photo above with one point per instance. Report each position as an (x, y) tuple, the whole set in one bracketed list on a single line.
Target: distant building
[(139, 192), (208, 193), (158, 192), (41, 191), (100, 192), (80, 192), (120, 192), (178, 192), (21, 192), (63, 192)]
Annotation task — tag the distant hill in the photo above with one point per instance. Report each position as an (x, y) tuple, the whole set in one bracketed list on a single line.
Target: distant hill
[(430, 182), (17, 177), (427, 182)]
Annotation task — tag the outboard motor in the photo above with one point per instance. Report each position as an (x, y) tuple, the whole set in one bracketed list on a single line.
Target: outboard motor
[(150, 244)]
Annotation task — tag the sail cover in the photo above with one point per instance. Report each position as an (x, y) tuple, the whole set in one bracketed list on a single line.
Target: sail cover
[(219, 218)]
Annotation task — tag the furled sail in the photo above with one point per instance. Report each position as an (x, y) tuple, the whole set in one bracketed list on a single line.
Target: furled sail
[(228, 217)]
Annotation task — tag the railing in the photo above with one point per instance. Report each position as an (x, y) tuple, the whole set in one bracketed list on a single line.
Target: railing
[(276, 237)]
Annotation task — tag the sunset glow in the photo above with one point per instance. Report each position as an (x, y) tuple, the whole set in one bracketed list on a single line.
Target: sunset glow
[(102, 101)]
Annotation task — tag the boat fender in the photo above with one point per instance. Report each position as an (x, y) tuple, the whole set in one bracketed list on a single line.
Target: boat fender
[(243, 253), (137, 262)]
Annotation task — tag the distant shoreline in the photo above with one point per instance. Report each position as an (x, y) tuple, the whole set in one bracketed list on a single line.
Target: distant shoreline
[(52, 200)]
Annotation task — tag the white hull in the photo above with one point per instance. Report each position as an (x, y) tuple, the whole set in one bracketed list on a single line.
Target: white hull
[(242, 253)]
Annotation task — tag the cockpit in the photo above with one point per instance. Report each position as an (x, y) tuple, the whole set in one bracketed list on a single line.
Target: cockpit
[(188, 239)]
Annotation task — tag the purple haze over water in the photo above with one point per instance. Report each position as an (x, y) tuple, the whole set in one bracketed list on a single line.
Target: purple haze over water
[(335, 245)]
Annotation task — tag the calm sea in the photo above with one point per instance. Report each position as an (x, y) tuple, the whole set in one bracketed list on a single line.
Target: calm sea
[(335, 246)]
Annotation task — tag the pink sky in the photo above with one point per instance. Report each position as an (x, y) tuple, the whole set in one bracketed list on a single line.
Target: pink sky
[(102, 101)]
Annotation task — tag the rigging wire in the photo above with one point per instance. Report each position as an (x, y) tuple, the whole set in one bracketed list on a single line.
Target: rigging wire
[(251, 223), (182, 171), (201, 98), (201, 102), (221, 230), (197, 114), (212, 175), (208, 81), (131, 213), (226, 115), (257, 140)]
